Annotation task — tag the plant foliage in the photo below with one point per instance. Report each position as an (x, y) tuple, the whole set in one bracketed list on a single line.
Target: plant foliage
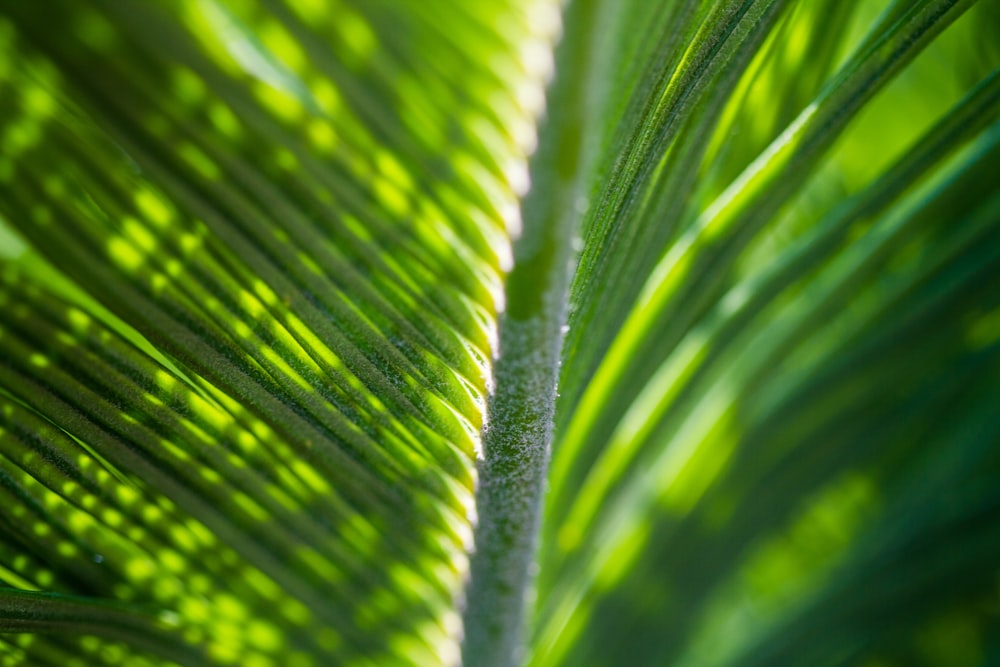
[(273, 273)]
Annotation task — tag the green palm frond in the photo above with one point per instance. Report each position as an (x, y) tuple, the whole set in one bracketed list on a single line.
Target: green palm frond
[(257, 194), (298, 298)]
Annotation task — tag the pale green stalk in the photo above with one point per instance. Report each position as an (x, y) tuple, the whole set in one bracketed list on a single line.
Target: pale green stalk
[(519, 421)]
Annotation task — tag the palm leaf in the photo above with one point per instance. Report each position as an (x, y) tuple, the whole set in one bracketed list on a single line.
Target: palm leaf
[(290, 473), (285, 310)]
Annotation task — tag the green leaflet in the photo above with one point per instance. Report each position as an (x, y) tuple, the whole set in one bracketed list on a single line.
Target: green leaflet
[(282, 200), (790, 366)]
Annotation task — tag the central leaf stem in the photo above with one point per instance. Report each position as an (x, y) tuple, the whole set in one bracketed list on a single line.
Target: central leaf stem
[(519, 416)]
